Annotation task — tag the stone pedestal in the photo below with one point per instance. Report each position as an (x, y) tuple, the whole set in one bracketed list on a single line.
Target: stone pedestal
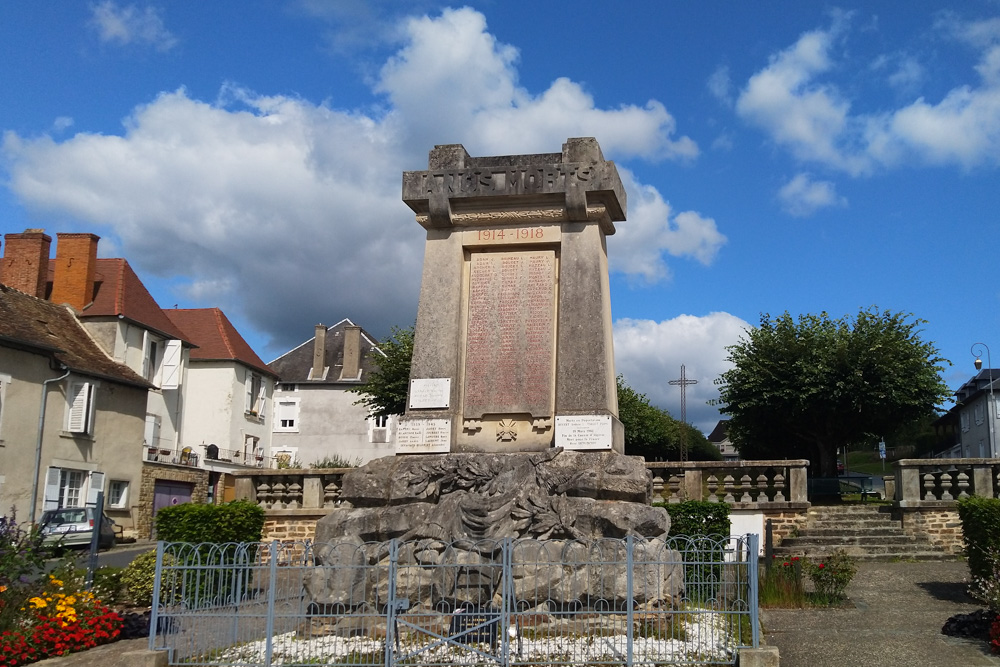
[(513, 345)]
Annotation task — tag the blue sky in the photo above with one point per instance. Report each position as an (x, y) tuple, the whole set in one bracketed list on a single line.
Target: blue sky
[(777, 156)]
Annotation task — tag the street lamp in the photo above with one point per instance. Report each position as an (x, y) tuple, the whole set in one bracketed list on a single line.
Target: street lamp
[(991, 407)]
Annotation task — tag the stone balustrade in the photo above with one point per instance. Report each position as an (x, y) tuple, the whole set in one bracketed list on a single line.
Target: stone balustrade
[(743, 484), (289, 489), (938, 483)]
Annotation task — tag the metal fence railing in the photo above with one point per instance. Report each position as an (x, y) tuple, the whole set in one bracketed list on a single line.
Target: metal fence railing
[(508, 602)]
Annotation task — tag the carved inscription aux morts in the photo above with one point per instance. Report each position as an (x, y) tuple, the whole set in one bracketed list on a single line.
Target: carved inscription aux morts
[(510, 339)]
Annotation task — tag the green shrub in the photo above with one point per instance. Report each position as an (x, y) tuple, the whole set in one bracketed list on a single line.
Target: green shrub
[(831, 576), (336, 461), (236, 521), (697, 518), (981, 531), (139, 577)]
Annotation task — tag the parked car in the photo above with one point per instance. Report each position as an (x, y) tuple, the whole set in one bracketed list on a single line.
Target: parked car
[(74, 526), (840, 467)]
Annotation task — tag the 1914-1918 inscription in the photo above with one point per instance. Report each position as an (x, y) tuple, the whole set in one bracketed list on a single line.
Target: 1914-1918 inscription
[(510, 338)]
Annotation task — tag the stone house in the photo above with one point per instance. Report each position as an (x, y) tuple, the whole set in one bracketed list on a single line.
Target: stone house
[(316, 416), (720, 438), (71, 418), (229, 426)]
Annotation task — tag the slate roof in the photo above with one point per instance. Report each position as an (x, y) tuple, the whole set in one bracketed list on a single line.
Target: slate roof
[(35, 325), (294, 365), (719, 433), (216, 337)]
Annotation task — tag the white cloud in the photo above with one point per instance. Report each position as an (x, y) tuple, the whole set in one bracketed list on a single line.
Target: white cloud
[(802, 196), (811, 117), (653, 230), (289, 212), (131, 25), (649, 354), (720, 85)]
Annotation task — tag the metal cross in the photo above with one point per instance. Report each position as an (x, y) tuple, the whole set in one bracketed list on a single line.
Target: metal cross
[(683, 381)]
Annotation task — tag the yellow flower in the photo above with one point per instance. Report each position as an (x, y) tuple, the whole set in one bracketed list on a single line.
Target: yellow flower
[(38, 602), (2, 589), (55, 582)]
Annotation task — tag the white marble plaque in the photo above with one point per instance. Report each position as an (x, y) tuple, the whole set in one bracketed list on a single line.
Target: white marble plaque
[(583, 431), (430, 393), (423, 436)]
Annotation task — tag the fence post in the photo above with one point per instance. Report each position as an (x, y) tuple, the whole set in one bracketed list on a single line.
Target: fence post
[(272, 584), (390, 612), (629, 599), (506, 598), (768, 544), (154, 620), (753, 573)]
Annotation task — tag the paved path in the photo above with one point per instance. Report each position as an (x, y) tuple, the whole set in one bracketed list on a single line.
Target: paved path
[(896, 621)]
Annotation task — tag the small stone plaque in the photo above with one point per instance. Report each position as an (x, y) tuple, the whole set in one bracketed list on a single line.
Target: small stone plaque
[(430, 393), (583, 431), (423, 436)]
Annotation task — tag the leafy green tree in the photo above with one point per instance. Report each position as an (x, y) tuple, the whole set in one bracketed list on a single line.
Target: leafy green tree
[(652, 433), (803, 388), (384, 393)]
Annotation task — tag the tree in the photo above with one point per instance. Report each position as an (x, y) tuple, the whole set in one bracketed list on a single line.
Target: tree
[(652, 433), (808, 387), (384, 392)]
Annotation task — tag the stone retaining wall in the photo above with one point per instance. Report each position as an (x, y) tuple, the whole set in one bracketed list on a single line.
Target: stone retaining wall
[(940, 525)]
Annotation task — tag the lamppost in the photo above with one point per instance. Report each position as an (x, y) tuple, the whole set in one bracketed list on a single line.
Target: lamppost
[(991, 407)]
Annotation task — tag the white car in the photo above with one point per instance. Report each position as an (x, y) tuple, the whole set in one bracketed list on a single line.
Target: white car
[(74, 526)]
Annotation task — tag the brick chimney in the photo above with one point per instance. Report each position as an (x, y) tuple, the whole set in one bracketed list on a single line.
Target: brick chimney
[(26, 264), (351, 369), (75, 267), (319, 353)]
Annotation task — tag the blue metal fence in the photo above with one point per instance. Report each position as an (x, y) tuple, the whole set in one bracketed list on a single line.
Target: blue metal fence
[(507, 602)]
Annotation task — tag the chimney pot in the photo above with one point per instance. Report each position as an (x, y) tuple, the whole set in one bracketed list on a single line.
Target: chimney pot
[(26, 264), (319, 353), (75, 269), (351, 369)]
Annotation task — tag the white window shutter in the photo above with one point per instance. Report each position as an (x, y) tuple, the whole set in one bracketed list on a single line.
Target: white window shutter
[(146, 370), (152, 433), (50, 500), (79, 407), (96, 485), (170, 368), (261, 397), (249, 394)]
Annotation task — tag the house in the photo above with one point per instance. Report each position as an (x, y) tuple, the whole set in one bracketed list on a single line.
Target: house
[(317, 417), (71, 418), (975, 404), (229, 426), (114, 307), (720, 438)]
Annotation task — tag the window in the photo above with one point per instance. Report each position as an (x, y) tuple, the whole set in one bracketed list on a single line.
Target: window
[(4, 381), (286, 415), (255, 394), (378, 429), (118, 493), (150, 359), (64, 487), (250, 449), (286, 386), (979, 414), (964, 418), (80, 407)]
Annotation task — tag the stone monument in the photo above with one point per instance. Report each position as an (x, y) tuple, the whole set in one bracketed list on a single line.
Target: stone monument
[(512, 348), (512, 370)]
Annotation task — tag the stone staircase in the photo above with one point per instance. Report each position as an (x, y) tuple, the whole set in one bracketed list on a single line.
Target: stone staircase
[(865, 532)]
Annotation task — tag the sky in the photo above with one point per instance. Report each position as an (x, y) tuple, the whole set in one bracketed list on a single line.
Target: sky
[(780, 156)]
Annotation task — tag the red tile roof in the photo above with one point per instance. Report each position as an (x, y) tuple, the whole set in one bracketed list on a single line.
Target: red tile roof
[(37, 325), (216, 337), (119, 292)]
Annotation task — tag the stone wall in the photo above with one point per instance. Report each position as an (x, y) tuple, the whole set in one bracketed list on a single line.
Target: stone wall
[(151, 472), (785, 524), (940, 525)]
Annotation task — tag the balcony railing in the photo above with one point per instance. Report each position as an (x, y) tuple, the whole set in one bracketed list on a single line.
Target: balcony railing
[(199, 459)]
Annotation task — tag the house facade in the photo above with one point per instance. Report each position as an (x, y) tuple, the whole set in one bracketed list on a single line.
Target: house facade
[(70, 416), (720, 438), (229, 426), (975, 404), (317, 417), (121, 318)]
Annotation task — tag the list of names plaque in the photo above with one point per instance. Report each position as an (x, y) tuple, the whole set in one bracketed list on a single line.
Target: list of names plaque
[(510, 338)]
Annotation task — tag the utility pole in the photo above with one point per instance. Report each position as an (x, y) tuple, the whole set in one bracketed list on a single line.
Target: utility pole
[(683, 381)]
